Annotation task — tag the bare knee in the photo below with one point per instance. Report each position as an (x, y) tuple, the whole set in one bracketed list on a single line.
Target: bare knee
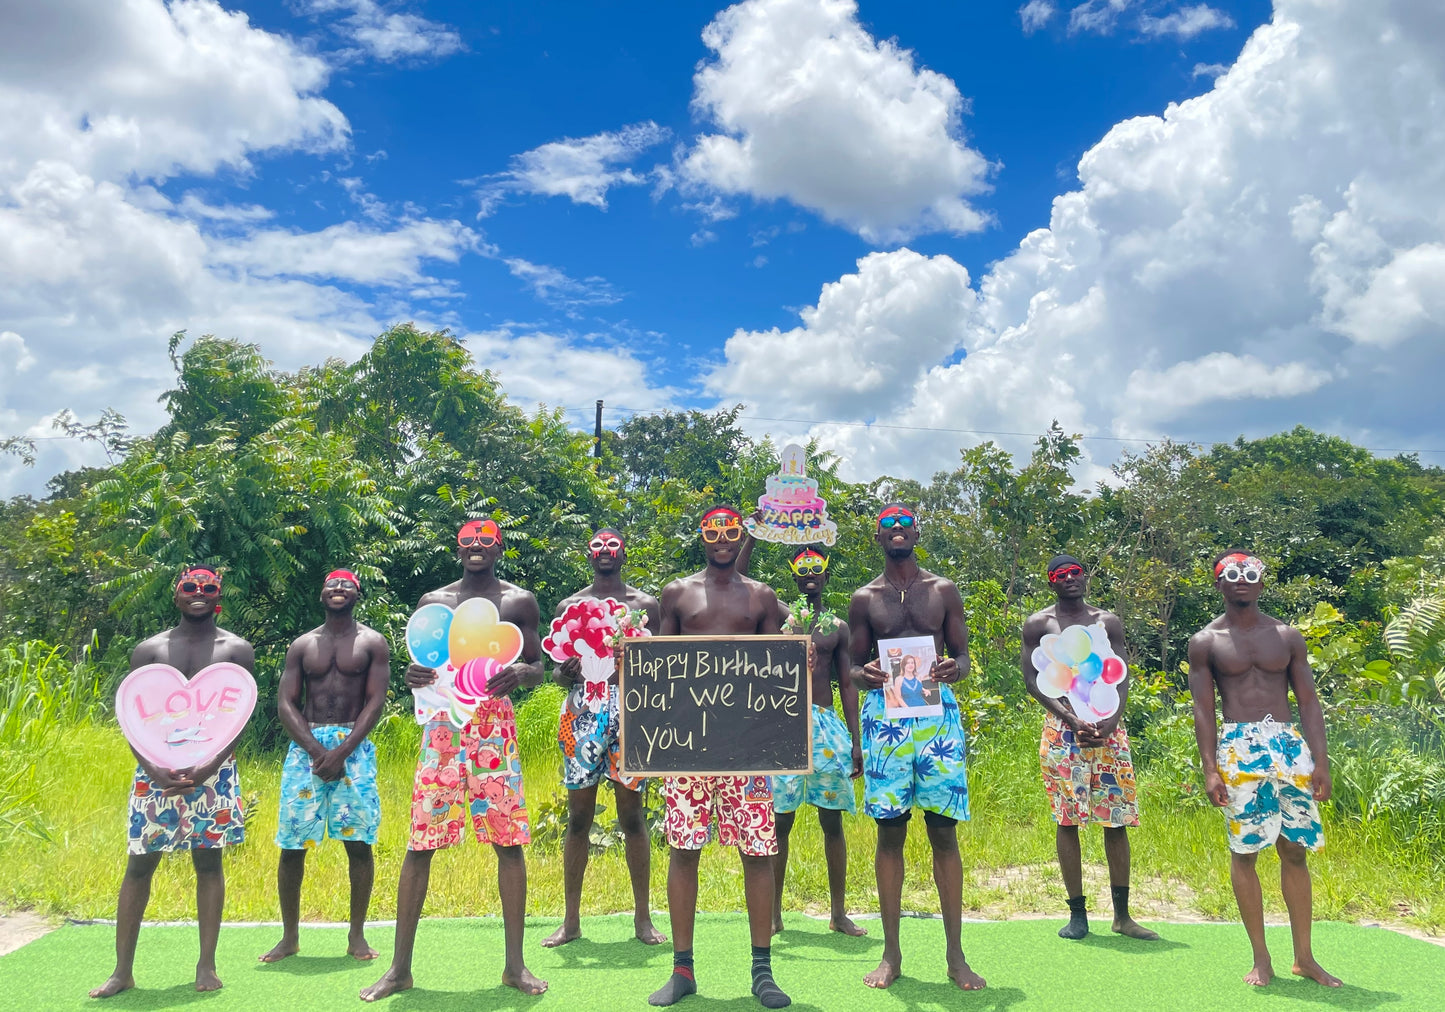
[(510, 857), (831, 823), (356, 852), (207, 863), (943, 840), (685, 861), (891, 839), (1244, 862), (140, 867), (1291, 853)]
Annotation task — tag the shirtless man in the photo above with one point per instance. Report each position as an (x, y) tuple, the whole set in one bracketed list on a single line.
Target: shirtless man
[(1088, 769), (719, 601), (328, 783), (196, 809), (912, 760), (591, 753), (837, 749), (1265, 774), (476, 770)]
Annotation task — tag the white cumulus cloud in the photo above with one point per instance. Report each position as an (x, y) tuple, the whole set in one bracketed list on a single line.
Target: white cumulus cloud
[(388, 34), (582, 169), (1269, 253), (808, 107)]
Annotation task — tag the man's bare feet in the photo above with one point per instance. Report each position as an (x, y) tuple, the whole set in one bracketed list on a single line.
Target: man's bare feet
[(562, 936), (206, 980), (1315, 972), (357, 948), (844, 925), (390, 983), (960, 973), (888, 971), (647, 934), (285, 947), (1260, 974), (524, 981), (1131, 928), (115, 985)]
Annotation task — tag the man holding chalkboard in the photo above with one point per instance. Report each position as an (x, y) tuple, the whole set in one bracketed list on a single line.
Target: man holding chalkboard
[(837, 751), (591, 753), (473, 771), (720, 601), (912, 761)]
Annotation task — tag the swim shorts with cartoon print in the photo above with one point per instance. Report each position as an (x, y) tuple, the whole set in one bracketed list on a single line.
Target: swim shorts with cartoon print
[(347, 808), (914, 761), (591, 749), (1088, 784), (209, 816), (740, 807), (1266, 765), (830, 785), (474, 771)]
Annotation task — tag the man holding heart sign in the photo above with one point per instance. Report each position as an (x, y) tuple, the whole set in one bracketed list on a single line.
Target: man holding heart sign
[(475, 770), (1087, 767), (187, 695)]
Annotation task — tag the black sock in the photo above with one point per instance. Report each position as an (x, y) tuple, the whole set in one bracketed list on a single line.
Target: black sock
[(1121, 902), (764, 987), (1078, 925), (681, 984)]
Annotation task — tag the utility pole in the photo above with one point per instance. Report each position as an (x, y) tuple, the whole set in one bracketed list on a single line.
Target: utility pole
[(597, 435)]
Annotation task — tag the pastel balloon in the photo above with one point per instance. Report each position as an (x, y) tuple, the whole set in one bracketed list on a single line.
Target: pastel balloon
[(478, 631), (1100, 638), (1074, 645), (472, 678), (1041, 658), (1090, 668), (427, 635), (1103, 700), (1056, 679), (1079, 700), (1114, 671), (1047, 644)]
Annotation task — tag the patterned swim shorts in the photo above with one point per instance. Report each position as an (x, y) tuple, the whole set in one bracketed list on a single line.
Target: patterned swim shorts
[(475, 770), (209, 816), (590, 746), (347, 808), (912, 761), (1088, 784), (830, 785), (740, 807), (1267, 766)]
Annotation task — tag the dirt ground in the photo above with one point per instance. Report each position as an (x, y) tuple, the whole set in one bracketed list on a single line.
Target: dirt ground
[(21, 927)]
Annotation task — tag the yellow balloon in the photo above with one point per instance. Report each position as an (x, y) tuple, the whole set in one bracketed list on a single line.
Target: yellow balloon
[(478, 631), (1074, 644)]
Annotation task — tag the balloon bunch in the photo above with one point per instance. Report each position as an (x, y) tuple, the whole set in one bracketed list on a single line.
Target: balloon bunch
[(589, 630), (466, 647), (1080, 663)]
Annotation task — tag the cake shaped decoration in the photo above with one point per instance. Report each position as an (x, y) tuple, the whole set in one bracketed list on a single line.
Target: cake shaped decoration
[(792, 512)]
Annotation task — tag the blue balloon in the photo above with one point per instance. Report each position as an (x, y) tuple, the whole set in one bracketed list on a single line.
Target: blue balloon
[(1091, 667), (427, 635)]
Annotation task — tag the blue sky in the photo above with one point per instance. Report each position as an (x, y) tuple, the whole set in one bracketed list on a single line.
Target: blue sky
[(833, 212)]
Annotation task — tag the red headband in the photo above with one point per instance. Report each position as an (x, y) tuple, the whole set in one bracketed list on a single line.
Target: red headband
[(1242, 558), (723, 511), (343, 574), (479, 527), (895, 511)]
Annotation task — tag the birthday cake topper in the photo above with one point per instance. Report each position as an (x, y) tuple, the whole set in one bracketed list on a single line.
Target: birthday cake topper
[(792, 512)]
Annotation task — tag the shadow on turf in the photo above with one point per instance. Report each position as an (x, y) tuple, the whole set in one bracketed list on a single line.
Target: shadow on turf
[(1347, 996), (506, 999), (916, 993), (310, 966), (154, 998), (628, 954), (1134, 946)]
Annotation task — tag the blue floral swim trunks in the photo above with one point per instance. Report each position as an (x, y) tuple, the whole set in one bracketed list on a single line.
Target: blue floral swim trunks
[(830, 785), (209, 816), (1266, 766), (348, 808), (914, 761)]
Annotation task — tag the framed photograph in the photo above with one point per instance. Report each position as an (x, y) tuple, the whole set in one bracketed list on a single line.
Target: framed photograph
[(910, 690)]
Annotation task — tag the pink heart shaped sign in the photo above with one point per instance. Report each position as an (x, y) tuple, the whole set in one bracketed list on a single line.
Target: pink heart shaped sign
[(178, 723)]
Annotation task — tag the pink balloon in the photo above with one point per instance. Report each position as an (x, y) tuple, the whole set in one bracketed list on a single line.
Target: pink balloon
[(1114, 670), (472, 678)]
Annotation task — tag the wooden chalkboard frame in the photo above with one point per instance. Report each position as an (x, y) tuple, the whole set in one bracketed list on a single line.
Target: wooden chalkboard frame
[(805, 640)]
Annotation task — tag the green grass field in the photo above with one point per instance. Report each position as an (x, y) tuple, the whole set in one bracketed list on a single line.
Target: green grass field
[(1180, 861), (1196, 967)]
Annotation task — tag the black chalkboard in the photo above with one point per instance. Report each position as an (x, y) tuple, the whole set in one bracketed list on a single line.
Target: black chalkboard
[(716, 705)]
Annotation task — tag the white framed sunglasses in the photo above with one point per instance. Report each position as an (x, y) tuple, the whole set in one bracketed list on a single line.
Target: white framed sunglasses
[(1234, 573)]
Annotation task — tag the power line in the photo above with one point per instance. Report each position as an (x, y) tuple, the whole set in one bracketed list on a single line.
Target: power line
[(1003, 432)]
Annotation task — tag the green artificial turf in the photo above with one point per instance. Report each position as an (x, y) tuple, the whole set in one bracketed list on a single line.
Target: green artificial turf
[(1197, 967)]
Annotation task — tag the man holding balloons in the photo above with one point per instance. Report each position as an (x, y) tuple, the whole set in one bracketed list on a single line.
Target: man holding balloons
[(481, 632), (1072, 666)]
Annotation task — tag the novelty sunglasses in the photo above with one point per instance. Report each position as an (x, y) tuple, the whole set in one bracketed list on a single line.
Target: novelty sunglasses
[(732, 532), (609, 544), (1063, 572), (204, 589), (896, 520), (484, 540), (1234, 573), (814, 566)]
